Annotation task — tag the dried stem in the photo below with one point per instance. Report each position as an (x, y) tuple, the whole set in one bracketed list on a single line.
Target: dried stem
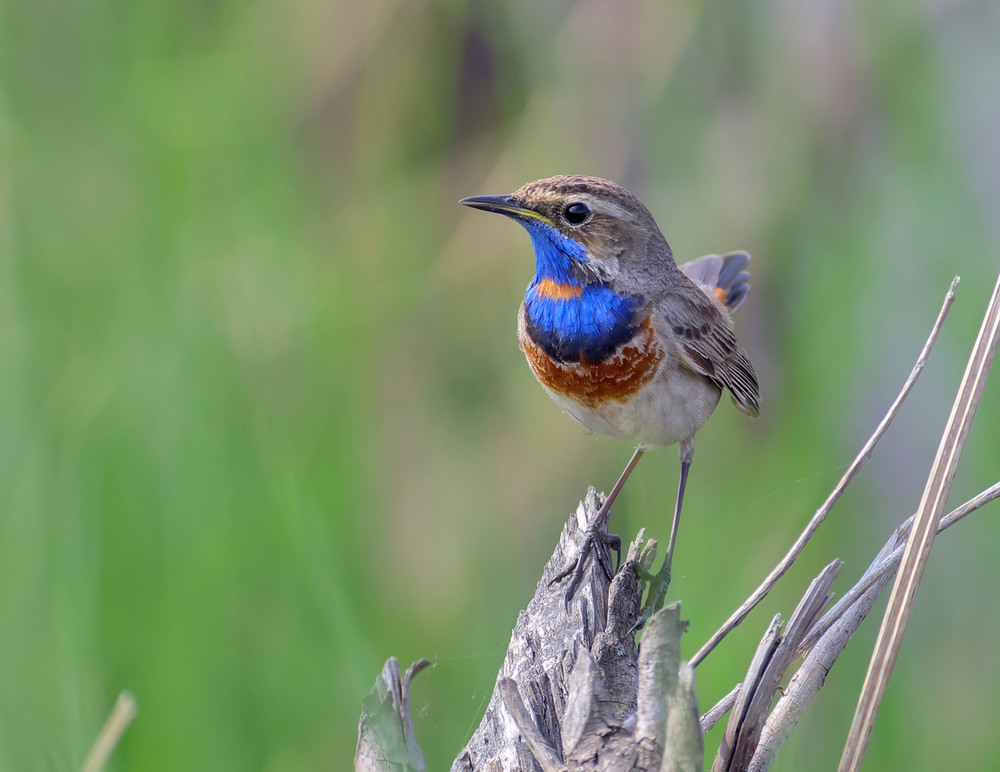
[(786, 562), (886, 562), (925, 527), (721, 708), (745, 725), (122, 714), (830, 635)]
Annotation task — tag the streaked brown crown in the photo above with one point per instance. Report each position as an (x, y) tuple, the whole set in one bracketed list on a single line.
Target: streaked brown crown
[(618, 223)]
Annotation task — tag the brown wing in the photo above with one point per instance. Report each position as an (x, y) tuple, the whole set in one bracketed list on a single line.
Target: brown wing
[(708, 347)]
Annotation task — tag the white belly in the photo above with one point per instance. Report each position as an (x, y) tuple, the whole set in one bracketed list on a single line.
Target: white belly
[(674, 405)]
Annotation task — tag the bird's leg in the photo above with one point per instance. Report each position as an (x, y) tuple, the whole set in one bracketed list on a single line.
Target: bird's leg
[(658, 584), (597, 538)]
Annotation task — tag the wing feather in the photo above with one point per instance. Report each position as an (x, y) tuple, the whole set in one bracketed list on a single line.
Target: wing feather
[(708, 347)]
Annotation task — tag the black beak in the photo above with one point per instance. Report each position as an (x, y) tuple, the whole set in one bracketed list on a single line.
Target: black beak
[(498, 204), (503, 205)]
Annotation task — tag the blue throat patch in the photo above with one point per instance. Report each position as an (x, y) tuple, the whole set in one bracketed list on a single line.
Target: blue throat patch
[(587, 326)]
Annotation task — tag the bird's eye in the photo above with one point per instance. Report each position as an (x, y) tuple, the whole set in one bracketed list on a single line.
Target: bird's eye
[(576, 213)]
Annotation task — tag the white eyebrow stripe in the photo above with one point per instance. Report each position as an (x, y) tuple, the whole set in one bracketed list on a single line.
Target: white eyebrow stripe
[(604, 206)]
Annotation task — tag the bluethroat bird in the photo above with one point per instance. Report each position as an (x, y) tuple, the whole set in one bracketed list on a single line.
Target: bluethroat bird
[(625, 341)]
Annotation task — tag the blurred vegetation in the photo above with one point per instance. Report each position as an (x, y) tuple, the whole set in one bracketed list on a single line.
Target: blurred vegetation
[(263, 421)]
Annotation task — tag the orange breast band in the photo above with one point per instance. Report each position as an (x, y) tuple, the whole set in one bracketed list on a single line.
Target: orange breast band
[(550, 288), (617, 377)]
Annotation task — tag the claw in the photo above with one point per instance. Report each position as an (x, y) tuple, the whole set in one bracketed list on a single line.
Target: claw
[(594, 540), (597, 534)]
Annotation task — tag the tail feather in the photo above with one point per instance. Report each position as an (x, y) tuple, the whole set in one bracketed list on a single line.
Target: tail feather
[(705, 270), (724, 273), (733, 265)]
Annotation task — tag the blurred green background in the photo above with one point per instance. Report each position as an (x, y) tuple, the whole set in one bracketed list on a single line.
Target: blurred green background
[(263, 420)]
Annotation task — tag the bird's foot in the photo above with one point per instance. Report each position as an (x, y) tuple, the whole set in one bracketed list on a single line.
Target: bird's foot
[(596, 540), (658, 584)]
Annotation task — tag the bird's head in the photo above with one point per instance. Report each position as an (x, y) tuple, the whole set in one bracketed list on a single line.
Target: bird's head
[(585, 230)]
